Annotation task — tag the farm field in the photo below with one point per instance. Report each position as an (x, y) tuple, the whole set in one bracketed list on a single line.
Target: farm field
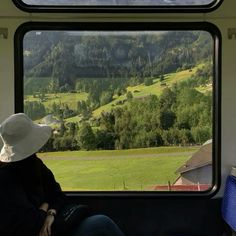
[(116, 170), (69, 99)]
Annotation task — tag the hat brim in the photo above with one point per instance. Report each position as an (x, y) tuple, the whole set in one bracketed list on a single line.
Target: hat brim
[(28, 145)]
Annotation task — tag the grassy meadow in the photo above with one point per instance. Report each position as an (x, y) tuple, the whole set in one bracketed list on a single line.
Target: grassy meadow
[(156, 88), (133, 169), (69, 99)]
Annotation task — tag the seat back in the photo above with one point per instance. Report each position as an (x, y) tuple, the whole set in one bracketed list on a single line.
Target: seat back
[(229, 202)]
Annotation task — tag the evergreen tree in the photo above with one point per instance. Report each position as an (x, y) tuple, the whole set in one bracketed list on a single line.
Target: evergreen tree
[(86, 137)]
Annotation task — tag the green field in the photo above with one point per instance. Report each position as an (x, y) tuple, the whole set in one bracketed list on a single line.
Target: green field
[(155, 89), (134, 169), (69, 99)]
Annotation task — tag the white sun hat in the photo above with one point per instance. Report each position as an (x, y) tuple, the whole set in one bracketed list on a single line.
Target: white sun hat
[(21, 137)]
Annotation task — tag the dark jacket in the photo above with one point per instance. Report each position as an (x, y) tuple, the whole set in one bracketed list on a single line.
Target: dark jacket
[(24, 186)]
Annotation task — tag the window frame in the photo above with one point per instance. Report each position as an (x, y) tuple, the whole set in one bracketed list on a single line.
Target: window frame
[(139, 26), (118, 9)]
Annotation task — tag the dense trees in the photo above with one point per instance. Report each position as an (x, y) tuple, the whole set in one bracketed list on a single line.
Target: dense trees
[(180, 116), (35, 110)]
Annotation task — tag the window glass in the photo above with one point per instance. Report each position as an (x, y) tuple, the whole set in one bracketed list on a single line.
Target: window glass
[(118, 2), (130, 110)]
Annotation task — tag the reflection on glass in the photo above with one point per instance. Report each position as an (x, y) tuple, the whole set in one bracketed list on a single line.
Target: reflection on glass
[(130, 110), (118, 2)]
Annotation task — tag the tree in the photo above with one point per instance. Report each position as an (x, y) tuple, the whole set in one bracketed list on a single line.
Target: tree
[(185, 137), (105, 140), (35, 110), (73, 128), (65, 143), (144, 139), (171, 137), (124, 128), (53, 86), (83, 109), (129, 96), (201, 134), (62, 128), (167, 119), (107, 121), (86, 137), (167, 99), (148, 81), (106, 97), (162, 78)]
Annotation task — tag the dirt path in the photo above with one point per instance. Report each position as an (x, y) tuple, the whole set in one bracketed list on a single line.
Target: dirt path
[(133, 156)]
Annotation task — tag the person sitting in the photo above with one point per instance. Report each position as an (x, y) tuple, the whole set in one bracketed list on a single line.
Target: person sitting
[(32, 202)]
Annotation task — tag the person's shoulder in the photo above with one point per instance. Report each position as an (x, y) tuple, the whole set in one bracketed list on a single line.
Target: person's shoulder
[(38, 160), (39, 163), (34, 159)]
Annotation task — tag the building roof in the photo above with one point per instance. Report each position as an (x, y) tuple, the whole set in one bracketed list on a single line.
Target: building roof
[(182, 187), (199, 159)]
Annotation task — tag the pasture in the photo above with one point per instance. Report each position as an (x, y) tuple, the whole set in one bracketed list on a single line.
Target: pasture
[(140, 91), (69, 99), (116, 170)]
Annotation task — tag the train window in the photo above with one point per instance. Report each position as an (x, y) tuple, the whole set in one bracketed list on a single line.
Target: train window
[(134, 107), (108, 5), (116, 3)]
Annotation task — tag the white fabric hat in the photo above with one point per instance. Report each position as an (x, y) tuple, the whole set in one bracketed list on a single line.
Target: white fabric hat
[(21, 137)]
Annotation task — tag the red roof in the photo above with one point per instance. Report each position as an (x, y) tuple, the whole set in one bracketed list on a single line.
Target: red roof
[(196, 187)]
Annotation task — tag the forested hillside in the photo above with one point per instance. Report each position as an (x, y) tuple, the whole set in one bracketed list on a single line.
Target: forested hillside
[(157, 85), (119, 58)]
